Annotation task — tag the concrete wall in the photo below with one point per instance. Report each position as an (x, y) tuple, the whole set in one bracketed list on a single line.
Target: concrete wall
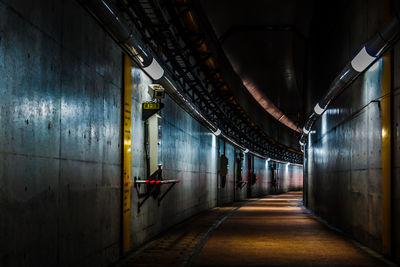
[(241, 191), (189, 153), (343, 160), (396, 158), (60, 172), (225, 186), (59, 136), (396, 148), (289, 178), (262, 185)]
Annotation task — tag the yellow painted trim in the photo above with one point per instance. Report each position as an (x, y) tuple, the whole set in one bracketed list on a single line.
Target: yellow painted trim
[(386, 143), (386, 156), (126, 156)]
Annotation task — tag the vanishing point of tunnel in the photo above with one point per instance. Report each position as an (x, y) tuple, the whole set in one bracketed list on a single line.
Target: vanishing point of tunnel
[(185, 133)]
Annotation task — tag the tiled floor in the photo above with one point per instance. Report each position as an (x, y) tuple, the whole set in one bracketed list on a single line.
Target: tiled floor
[(271, 231)]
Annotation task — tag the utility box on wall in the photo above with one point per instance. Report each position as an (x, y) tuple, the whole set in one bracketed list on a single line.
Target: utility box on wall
[(154, 141)]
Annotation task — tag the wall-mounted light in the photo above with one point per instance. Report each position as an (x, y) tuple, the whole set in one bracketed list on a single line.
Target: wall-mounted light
[(362, 60), (305, 130), (217, 132), (246, 151), (384, 133), (301, 143), (154, 70), (318, 109)]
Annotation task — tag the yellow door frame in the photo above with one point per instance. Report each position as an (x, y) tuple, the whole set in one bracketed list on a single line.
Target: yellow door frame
[(386, 143), (126, 156)]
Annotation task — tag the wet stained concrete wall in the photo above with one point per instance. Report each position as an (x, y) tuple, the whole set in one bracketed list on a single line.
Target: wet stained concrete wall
[(59, 136), (60, 154), (189, 154), (343, 167), (344, 163)]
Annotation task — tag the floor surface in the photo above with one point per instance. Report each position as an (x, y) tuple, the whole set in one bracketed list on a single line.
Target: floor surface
[(272, 231)]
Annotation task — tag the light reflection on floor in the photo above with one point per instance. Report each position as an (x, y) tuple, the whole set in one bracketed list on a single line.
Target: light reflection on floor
[(277, 231)]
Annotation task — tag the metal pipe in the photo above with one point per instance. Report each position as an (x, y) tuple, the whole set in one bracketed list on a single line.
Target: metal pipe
[(107, 14), (370, 53), (114, 23)]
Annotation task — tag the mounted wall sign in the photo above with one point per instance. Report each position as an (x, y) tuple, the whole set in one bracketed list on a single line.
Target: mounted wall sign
[(150, 108), (151, 105)]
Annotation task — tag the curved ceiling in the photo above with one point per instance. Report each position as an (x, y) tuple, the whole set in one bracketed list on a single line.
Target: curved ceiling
[(265, 42)]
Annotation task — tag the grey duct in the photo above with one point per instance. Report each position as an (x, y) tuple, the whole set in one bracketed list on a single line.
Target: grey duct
[(372, 51)]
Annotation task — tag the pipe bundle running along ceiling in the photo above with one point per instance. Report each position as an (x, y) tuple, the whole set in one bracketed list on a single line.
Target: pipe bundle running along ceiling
[(369, 53), (107, 14)]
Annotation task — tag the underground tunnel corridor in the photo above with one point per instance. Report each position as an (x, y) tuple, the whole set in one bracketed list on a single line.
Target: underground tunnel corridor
[(199, 133)]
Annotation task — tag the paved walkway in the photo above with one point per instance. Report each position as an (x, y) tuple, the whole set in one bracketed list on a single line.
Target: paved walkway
[(277, 231), (271, 231)]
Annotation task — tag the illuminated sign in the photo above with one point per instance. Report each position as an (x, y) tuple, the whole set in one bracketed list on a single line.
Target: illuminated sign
[(151, 105)]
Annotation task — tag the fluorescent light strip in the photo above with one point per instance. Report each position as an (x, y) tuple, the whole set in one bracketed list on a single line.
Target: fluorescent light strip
[(217, 132), (318, 109), (362, 60), (154, 70)]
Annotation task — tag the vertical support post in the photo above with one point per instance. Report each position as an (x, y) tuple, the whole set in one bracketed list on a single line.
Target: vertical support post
[(234, 174), (126, 156), (386, 144)]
